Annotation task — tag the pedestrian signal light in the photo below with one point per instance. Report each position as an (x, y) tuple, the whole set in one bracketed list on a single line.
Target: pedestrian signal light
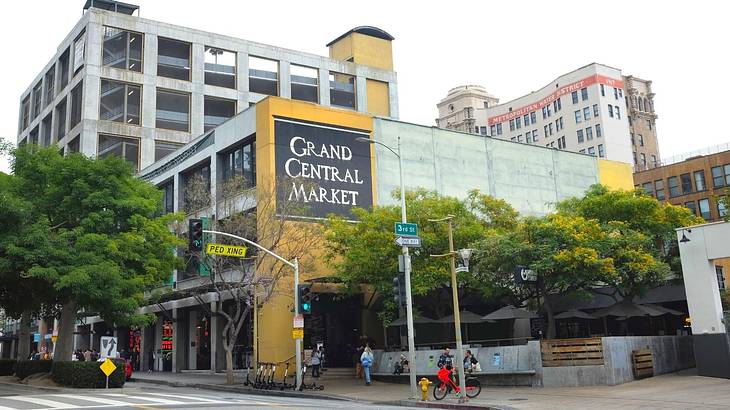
[(195, 235)]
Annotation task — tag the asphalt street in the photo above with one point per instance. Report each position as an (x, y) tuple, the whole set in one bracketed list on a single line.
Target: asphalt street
[(30, 398)]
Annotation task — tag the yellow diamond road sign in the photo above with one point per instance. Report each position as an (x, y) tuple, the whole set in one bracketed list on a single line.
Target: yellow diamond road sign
[(297, 333), (226, 250), (108, 367)]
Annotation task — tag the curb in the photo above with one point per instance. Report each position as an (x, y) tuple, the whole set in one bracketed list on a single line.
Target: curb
[(245, 390), (441, 405)]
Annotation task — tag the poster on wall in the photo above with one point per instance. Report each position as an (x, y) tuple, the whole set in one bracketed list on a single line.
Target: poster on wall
[(321, 169)]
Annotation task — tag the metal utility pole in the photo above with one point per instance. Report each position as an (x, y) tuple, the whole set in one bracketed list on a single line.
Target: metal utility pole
[(294, 265), (407, 269), (457, 311)]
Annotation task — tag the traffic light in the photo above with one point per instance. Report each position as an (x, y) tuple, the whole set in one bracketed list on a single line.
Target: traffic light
[(399, 289), (305, 299), (195, 235)]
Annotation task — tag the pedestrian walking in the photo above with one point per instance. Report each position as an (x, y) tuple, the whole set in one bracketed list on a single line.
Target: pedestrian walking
[(87, 355), (471, 364), (315, 361), (367, 362)]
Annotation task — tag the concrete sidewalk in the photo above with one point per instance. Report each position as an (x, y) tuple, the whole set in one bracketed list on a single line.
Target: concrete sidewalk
[(683, 390)]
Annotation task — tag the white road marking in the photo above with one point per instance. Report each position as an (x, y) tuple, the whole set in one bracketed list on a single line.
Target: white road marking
[(177, 396), (152, 399), (93, 399), (43, 402)]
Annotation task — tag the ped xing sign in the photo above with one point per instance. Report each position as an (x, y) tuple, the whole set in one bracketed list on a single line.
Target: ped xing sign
[(226, 250)]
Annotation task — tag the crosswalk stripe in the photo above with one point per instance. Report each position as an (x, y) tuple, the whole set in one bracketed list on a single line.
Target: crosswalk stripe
[(94, 399), (158, 400), (43, 402), (177, 396), (6, 408)]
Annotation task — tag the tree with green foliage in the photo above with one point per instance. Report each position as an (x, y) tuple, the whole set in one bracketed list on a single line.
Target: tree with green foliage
[(724, 201), (642, 235), (364, 252), (93, 234), (563, 250)]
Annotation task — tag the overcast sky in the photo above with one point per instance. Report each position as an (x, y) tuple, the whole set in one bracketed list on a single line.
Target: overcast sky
[(509, 47)]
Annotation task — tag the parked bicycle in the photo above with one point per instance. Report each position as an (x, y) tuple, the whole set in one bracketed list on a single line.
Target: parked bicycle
[(449, 381)]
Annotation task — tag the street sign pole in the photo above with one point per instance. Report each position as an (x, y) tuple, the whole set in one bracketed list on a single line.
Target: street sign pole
[(409, 299)]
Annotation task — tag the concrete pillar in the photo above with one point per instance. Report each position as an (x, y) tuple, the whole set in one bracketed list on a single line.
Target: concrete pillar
[(42, 329), (149, 87), (324, 87), (178, 347), (215, 331), (157, 343), (393, 97), (192, 350), (242, 80), (284, 79), (361, 93), (143, 351)]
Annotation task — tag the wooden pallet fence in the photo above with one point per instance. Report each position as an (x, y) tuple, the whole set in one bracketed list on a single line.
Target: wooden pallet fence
[(643, 361), (572, 352)]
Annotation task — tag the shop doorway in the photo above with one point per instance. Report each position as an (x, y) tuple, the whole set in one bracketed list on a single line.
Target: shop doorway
[(335, 322), (201, 343)]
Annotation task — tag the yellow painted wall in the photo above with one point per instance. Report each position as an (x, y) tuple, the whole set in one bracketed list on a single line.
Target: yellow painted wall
[(378, 98), (364, 49), (615, 174), (274, 319)]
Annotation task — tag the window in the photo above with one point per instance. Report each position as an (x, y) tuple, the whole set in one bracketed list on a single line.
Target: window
[(561, 142), (518, 123), (721, 210), (528, 137), (659, 186), (123, 147), (544, 113), (558, 104), (173, 59), (550, 128), (499, 128), (79, 54), (120, 102), (168, 197), (615, 93), (25, 113), (720, 277), (61, 120), (718, 179), (49, 82), (583, 151), (342, 91), (526, 119), (653, 161), (686, 183), (547, 108), (643, 161), (512, 125), (578, 118), (589, 134), (618, 111), (592, 151), (74, 145), (620, 93), (595, 110), (534, 135), (610, 110), (633, 140), (263, 76), (37, 97), (584, 93), (700, 180), (648, 188), (519, 138), (598, 131), (33, 136), (648, 124), (76, 104), (195, 181), (601, 151), (165, 148), (691, 206), (587, 113), (603, 91), (47, 130), (673, 183), (574, 96), (122, 49), (217, 111), (557, 124), (63, 66), (492, 130), (533, 117), (173, 110), (704, 205), (580, 136), (241, 162), (635, 161), (220, 67), (546, 131), (641, 140)]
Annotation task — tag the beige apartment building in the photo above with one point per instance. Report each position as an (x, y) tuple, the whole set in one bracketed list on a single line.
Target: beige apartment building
[(457, 109), (642, 123)]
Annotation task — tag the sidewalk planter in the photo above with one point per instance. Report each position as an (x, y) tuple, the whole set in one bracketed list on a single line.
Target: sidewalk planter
[(25, 368), (7, 367), (86, 375)]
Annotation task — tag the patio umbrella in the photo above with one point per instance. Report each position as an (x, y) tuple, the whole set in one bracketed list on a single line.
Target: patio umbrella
[(509, 312), (664, 310), (465, 316), (416, 320), (628, 309), (575, 314)]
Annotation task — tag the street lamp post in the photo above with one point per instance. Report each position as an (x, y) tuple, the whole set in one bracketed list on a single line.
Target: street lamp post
[(457, 312), (407, 268)]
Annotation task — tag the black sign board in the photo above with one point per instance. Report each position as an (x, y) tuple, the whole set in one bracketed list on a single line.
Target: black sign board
[(322, 168), (523, 274)]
